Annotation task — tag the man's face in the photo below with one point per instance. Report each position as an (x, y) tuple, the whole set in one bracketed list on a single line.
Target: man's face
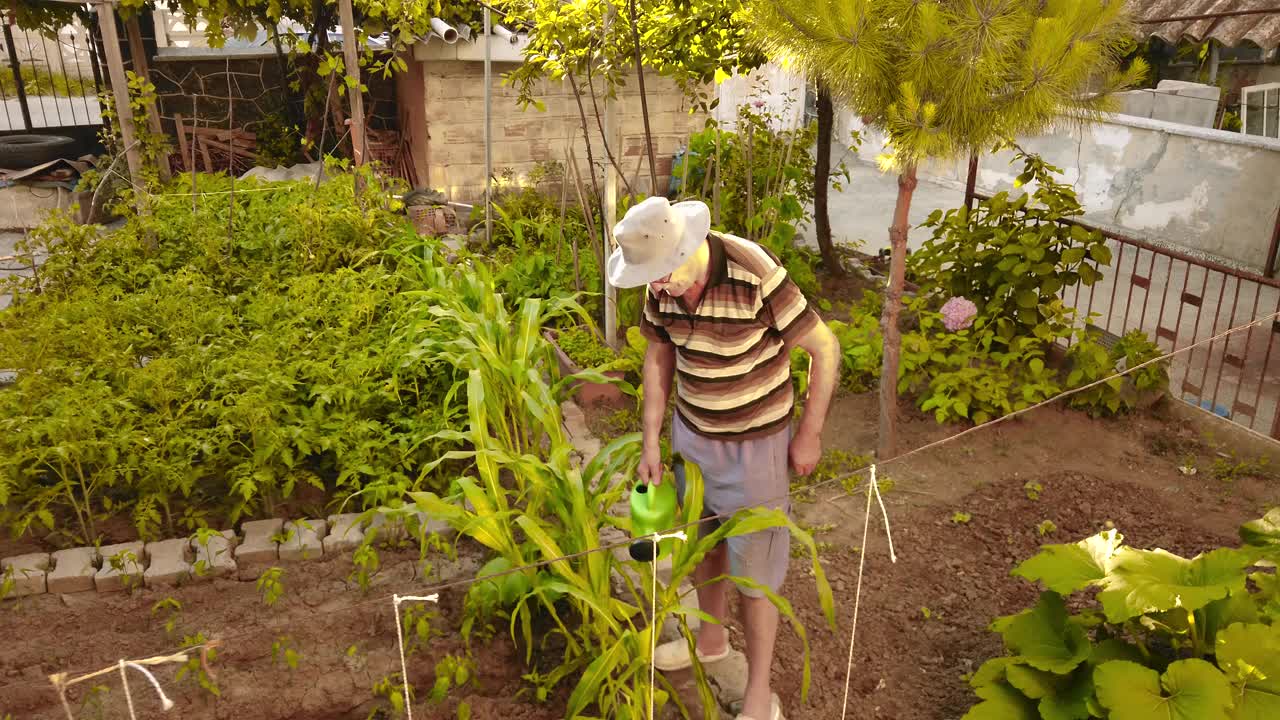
[(677, 283)]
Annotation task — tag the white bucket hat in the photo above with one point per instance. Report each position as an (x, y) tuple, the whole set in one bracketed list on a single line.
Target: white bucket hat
[(655, 238)]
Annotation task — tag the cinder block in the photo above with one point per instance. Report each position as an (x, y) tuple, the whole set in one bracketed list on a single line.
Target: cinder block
[(73, 570), (27, 573), (168, 562), (122, 566), (391, 527), (304, 540), (215, 557), (259, 549), (345, 533)]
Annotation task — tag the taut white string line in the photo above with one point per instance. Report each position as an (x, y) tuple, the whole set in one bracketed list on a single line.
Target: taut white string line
[(653, 610), (862, 560), (404, 666)]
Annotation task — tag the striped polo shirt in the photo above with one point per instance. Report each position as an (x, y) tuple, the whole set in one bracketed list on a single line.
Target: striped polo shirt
[(733, 362)]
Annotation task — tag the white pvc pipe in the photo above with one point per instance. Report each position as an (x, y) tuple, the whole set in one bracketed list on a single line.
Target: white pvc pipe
[(444, 30), (506, 34)]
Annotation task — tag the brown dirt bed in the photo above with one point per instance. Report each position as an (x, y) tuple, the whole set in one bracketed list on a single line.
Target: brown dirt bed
[(905, 666)]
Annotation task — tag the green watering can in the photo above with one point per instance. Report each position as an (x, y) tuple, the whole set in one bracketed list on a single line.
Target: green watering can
[(653, 510)]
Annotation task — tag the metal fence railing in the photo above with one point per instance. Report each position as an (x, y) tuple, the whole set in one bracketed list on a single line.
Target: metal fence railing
[(49, 81), (1179, 300)]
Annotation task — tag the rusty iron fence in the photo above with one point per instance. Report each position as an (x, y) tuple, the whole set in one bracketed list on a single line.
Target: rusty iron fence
[(1179, 300), (48, 81)]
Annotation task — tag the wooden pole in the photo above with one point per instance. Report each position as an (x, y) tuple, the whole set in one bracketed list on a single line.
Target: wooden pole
[(142, 68), (119, 89), (351, 56)]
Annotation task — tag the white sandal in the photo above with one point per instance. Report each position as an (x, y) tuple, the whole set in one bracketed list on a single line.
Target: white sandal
[(775, 710), (674, 655)]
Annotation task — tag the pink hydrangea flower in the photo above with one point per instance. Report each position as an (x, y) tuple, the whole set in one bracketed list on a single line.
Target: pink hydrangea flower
[(958, 313)]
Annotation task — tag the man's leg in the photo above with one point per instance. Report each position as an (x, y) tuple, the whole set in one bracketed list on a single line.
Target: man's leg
[(713, 599), (760, 623)]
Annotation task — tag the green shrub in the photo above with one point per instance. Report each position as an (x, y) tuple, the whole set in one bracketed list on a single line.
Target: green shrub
[(972, 374), (1164, 636), (584, 347), (1090, 362), (1012, 258), (171, 371), (861, 346)]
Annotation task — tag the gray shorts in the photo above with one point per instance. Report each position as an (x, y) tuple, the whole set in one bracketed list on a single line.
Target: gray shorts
[(738, 474)]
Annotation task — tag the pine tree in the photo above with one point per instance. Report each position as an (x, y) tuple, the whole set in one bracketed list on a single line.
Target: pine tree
[(942, 78)]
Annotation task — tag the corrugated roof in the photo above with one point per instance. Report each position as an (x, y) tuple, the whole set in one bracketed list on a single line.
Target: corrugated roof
[(1262, 30)]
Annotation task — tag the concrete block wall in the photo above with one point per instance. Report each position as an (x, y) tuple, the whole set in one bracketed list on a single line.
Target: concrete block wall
[(522, 138)]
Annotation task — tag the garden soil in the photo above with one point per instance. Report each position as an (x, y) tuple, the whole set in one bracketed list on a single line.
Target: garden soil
[(922, 621)]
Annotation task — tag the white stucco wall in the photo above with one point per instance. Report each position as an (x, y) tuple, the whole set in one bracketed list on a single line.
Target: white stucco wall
[(780, 92), (1210, 192)]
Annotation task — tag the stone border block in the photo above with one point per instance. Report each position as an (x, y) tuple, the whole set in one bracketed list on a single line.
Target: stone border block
[(74, 569), (215, 558), (259, 549), (28, 573), (395, 527), (168, 562), (132, 563), (305, 540), (345, 533)]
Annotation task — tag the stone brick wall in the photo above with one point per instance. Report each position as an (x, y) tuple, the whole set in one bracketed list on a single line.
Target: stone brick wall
[(522, 138)]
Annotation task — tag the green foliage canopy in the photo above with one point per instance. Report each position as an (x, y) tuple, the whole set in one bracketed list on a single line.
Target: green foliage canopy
[(944, 76)]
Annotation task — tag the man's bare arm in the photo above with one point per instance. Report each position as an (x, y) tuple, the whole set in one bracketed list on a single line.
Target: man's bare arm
[(824, 372), (659, 369)]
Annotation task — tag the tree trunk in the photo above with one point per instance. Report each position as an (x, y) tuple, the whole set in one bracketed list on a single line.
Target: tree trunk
[(644, 102), (889, 320), (822, 182)]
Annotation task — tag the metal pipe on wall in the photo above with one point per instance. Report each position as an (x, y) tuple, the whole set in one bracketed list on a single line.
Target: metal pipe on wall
[(488, 133), (506, 34), (445, 31)]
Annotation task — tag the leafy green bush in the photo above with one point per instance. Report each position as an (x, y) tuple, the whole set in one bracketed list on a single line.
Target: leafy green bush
[(584, 347), (1012, 258), (971, 374), (169, 370), (1164, 636), (861, 346), (1090, 362)]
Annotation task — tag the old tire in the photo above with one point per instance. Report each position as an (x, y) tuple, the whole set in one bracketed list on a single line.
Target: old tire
[(18, 152)]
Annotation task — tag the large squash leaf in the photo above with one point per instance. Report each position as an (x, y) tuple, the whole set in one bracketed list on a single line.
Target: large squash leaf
[(1067, 568), (1148, 581), (1044, 637), (1001, 702), (1070, 698), (1264, 532), (1189, 690), (1250, 655)]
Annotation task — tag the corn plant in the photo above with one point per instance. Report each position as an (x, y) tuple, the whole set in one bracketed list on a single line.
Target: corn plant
[(542, 517)]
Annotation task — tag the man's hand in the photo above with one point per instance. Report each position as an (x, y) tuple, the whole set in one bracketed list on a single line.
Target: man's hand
[(804, 452), (650, 468)]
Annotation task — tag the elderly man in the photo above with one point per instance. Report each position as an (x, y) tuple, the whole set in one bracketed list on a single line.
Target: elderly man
[(722, 314)]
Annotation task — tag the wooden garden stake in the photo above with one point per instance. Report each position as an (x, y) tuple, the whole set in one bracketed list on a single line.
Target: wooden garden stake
[(120, 92), (138, 51)]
